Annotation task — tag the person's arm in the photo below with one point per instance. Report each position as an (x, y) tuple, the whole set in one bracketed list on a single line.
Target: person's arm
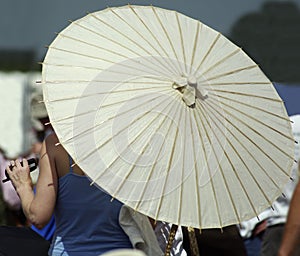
[(39, 207), (291, 235)]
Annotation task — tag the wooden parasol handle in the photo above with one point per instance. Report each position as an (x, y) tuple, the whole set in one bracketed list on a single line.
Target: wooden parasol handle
[(171, 239), (193, 242)]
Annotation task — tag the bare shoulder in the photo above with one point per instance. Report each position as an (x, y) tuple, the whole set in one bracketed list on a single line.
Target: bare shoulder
[(52, 136), (51, 139), (50, 145)]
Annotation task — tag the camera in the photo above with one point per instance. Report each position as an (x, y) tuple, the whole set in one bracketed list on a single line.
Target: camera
[(32, 163)]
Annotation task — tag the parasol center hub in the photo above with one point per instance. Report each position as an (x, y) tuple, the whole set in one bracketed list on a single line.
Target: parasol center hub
[(192, 81), (190, 89)]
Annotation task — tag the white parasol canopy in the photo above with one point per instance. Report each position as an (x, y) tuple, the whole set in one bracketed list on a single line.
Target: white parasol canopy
[(168, 116)]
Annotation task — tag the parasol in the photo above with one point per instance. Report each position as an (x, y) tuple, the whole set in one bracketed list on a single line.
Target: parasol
[(168, 116)]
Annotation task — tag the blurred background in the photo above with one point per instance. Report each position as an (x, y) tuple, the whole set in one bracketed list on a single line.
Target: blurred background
[(267, 30)]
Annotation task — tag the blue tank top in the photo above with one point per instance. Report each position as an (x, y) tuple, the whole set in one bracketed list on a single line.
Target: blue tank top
[(87, 221)]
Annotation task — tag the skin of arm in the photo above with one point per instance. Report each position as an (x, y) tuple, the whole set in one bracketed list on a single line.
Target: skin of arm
[(291, 235), (39, 207)]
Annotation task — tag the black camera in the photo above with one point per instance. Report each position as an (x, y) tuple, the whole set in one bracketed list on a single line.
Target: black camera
[(32, 162)]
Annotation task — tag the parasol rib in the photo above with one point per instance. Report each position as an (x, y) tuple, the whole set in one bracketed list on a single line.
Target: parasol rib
[(109, 119), (156, 160), (235, 71), (168, 37), (111, 138), (213, 112), (94, 109), (237, 176), (257, 108), (127, 37), (113, 92), (262, 123), (248, 95), (71, 66), (122, 153), (153, 167), (196, 169), (244, 163), (204, 120), (111, 40), (160, 79), (151, 32), (79, 54), (93, 45), (134, 68), (140, 34), (181, 173), (230, 114), (168, 167), (199, 27), (240, 83), (222, 172), (221, 61), (207, 53), (182, 42), (110, 51)]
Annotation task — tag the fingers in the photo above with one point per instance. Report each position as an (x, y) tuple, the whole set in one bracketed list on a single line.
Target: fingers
[(16, 170), (11, 166), (25, 163), (17, 164)]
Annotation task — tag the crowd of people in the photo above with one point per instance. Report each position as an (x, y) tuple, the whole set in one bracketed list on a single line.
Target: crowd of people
[(50, 215)]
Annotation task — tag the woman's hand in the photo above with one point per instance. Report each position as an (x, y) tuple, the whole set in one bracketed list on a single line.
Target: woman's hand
[(19, 175)]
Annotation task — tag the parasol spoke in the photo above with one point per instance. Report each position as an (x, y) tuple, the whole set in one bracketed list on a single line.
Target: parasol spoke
[(107, 120), (120, 131), (199, 27), (227, 73), (168, 168), (94, 109), (243, 161), (114, 53), (136, 67), (222, 171), (168, 39), (68, 82), (253, 142), (115, 42), (202, 120), (196, 172), (262, 123), (146, 144), (214, 112), (248, 95), (176, 70), (212, 84), (119, 54), (150, 173), (167, 65), (181, 42), (135, 89), (207, 53), (225, 58), (236, 175), (129, 38), (80, 54), (252, 106)]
